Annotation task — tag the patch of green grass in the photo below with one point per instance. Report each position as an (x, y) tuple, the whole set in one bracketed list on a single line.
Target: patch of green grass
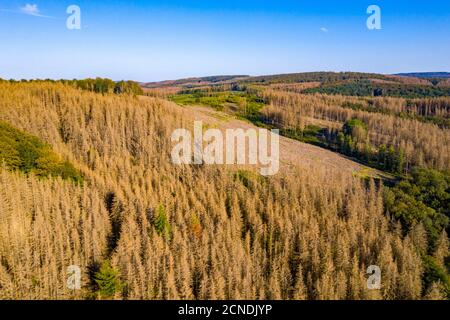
[(364, 173), (245, 103), (26, 153)]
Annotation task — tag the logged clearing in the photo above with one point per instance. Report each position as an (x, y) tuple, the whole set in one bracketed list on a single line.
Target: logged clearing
[(293, 153)]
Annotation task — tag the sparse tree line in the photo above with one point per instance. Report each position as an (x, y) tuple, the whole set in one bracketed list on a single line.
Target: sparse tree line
[(99, 85), (141, 228), (422, 144), (353, 141)]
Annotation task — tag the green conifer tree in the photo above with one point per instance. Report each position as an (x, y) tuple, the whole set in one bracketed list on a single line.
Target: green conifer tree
[(108, 281)]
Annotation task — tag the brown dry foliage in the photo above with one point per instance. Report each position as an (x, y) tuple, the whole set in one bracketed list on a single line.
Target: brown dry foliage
[(303, 235), (424, 144)]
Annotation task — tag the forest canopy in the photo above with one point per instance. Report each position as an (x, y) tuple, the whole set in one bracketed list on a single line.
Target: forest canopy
[(139, 227)]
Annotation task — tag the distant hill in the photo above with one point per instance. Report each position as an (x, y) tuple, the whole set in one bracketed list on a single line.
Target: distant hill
[(426, 75), (406, 85), (323, 77), (193, 81)]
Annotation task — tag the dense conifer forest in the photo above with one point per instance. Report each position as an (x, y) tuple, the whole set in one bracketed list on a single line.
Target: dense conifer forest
[(86, 180)]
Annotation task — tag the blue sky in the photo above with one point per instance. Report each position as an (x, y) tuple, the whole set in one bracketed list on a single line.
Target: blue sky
[(158, 40)]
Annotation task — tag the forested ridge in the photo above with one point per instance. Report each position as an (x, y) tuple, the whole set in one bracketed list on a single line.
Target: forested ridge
[(142, 228)]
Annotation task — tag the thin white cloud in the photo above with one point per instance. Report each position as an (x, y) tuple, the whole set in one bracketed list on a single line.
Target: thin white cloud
[(32, 10), (323, 29), (29, 9)]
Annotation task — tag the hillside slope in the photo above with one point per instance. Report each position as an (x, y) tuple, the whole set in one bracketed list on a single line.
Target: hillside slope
[(293, 153), (154, 230)]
